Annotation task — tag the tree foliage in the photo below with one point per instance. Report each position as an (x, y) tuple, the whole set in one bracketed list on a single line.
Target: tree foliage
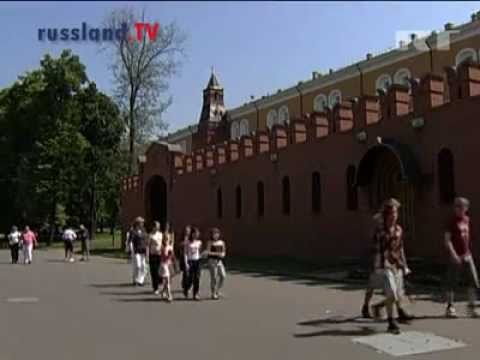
[(60, 143)]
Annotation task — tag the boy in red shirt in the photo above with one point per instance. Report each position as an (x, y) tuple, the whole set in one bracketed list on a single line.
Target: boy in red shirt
[(458, 241)]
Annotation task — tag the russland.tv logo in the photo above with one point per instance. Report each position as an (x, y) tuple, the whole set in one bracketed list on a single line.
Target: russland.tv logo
[(142, 31)]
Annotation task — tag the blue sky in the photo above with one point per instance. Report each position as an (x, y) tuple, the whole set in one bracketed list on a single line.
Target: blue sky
[(255, 47)]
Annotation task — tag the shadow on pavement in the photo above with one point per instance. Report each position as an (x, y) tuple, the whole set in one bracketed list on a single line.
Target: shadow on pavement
[(360, 331), (112, 285), (152, 299)]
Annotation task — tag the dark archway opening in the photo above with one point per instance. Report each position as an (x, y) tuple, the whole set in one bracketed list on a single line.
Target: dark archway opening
[(156, 200), (390, 170)]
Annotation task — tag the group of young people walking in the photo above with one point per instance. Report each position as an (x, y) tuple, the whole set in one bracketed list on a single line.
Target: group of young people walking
[(389, 265), (166, 258), (28, 241)]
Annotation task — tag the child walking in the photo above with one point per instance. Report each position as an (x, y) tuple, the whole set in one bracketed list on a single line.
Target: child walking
[(459, 249), (29, 241), (166, 259), (192, 264), (216, 251)]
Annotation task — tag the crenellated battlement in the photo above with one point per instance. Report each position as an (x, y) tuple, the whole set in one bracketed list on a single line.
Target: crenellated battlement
[(353, 116)]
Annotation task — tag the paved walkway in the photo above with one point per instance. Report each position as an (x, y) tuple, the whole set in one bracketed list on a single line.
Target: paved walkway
[(54, 310)]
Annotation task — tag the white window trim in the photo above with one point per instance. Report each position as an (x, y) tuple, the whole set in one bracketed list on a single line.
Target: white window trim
[(283, 110), (272, 118), (234, 130), (399, 75), (464, 53), (324, 101), (332, 96), (381, 80), (245, 125)]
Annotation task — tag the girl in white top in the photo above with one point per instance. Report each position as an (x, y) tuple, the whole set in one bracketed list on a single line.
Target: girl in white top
[(192, 256), (154, 252), (14, 239)]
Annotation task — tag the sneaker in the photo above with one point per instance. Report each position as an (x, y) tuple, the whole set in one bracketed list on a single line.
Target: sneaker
[(366, 312), (170, 299), (196, 297), (185, 294), (215, 297), (156, 292), (404, 316), (451, 312), (72, 260), (472, 312), (393, 328)]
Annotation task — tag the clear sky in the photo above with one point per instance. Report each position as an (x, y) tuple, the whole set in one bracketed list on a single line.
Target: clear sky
[(255, 47)]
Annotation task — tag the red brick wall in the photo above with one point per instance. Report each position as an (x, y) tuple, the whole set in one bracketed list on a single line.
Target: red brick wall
[(335, 232)]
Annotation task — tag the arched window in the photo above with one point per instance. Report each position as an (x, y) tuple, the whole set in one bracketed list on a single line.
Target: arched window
[(271, 118), (464, 55), (238, 202), (286, 195), (334, 98), (234, 130), (352, 195), (244, 127), (320, 102), (283, 115), (446, 176), (383, 82), (402, 77), (219, 203), (260, 198), (316, 193)]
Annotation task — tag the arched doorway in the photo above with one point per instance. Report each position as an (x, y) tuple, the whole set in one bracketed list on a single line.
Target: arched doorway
[(156, 200), (387, 170)]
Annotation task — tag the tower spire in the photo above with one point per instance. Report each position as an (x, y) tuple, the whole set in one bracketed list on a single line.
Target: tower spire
[(213, 83)]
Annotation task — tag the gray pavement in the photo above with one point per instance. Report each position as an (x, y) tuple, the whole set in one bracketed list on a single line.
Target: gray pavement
[(55, 310)]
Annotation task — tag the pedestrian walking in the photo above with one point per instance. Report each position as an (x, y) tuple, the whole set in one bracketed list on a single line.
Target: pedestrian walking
[(461, 267), (84, 237), (154, 252), (192, 253), (138, 240), (69, 236), (216, 251), (391, 261), (29, 240), (129, 245), (376, 279), (14, 239), (166, 259), (181, 252)]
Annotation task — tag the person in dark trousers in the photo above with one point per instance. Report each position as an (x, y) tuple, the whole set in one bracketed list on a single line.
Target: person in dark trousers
[(84, 237), (192, 256), (14, 239), (181, 252), (458, 242), (154, 252)]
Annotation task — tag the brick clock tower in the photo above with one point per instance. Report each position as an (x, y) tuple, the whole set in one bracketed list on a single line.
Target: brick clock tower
[(212, 125)]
